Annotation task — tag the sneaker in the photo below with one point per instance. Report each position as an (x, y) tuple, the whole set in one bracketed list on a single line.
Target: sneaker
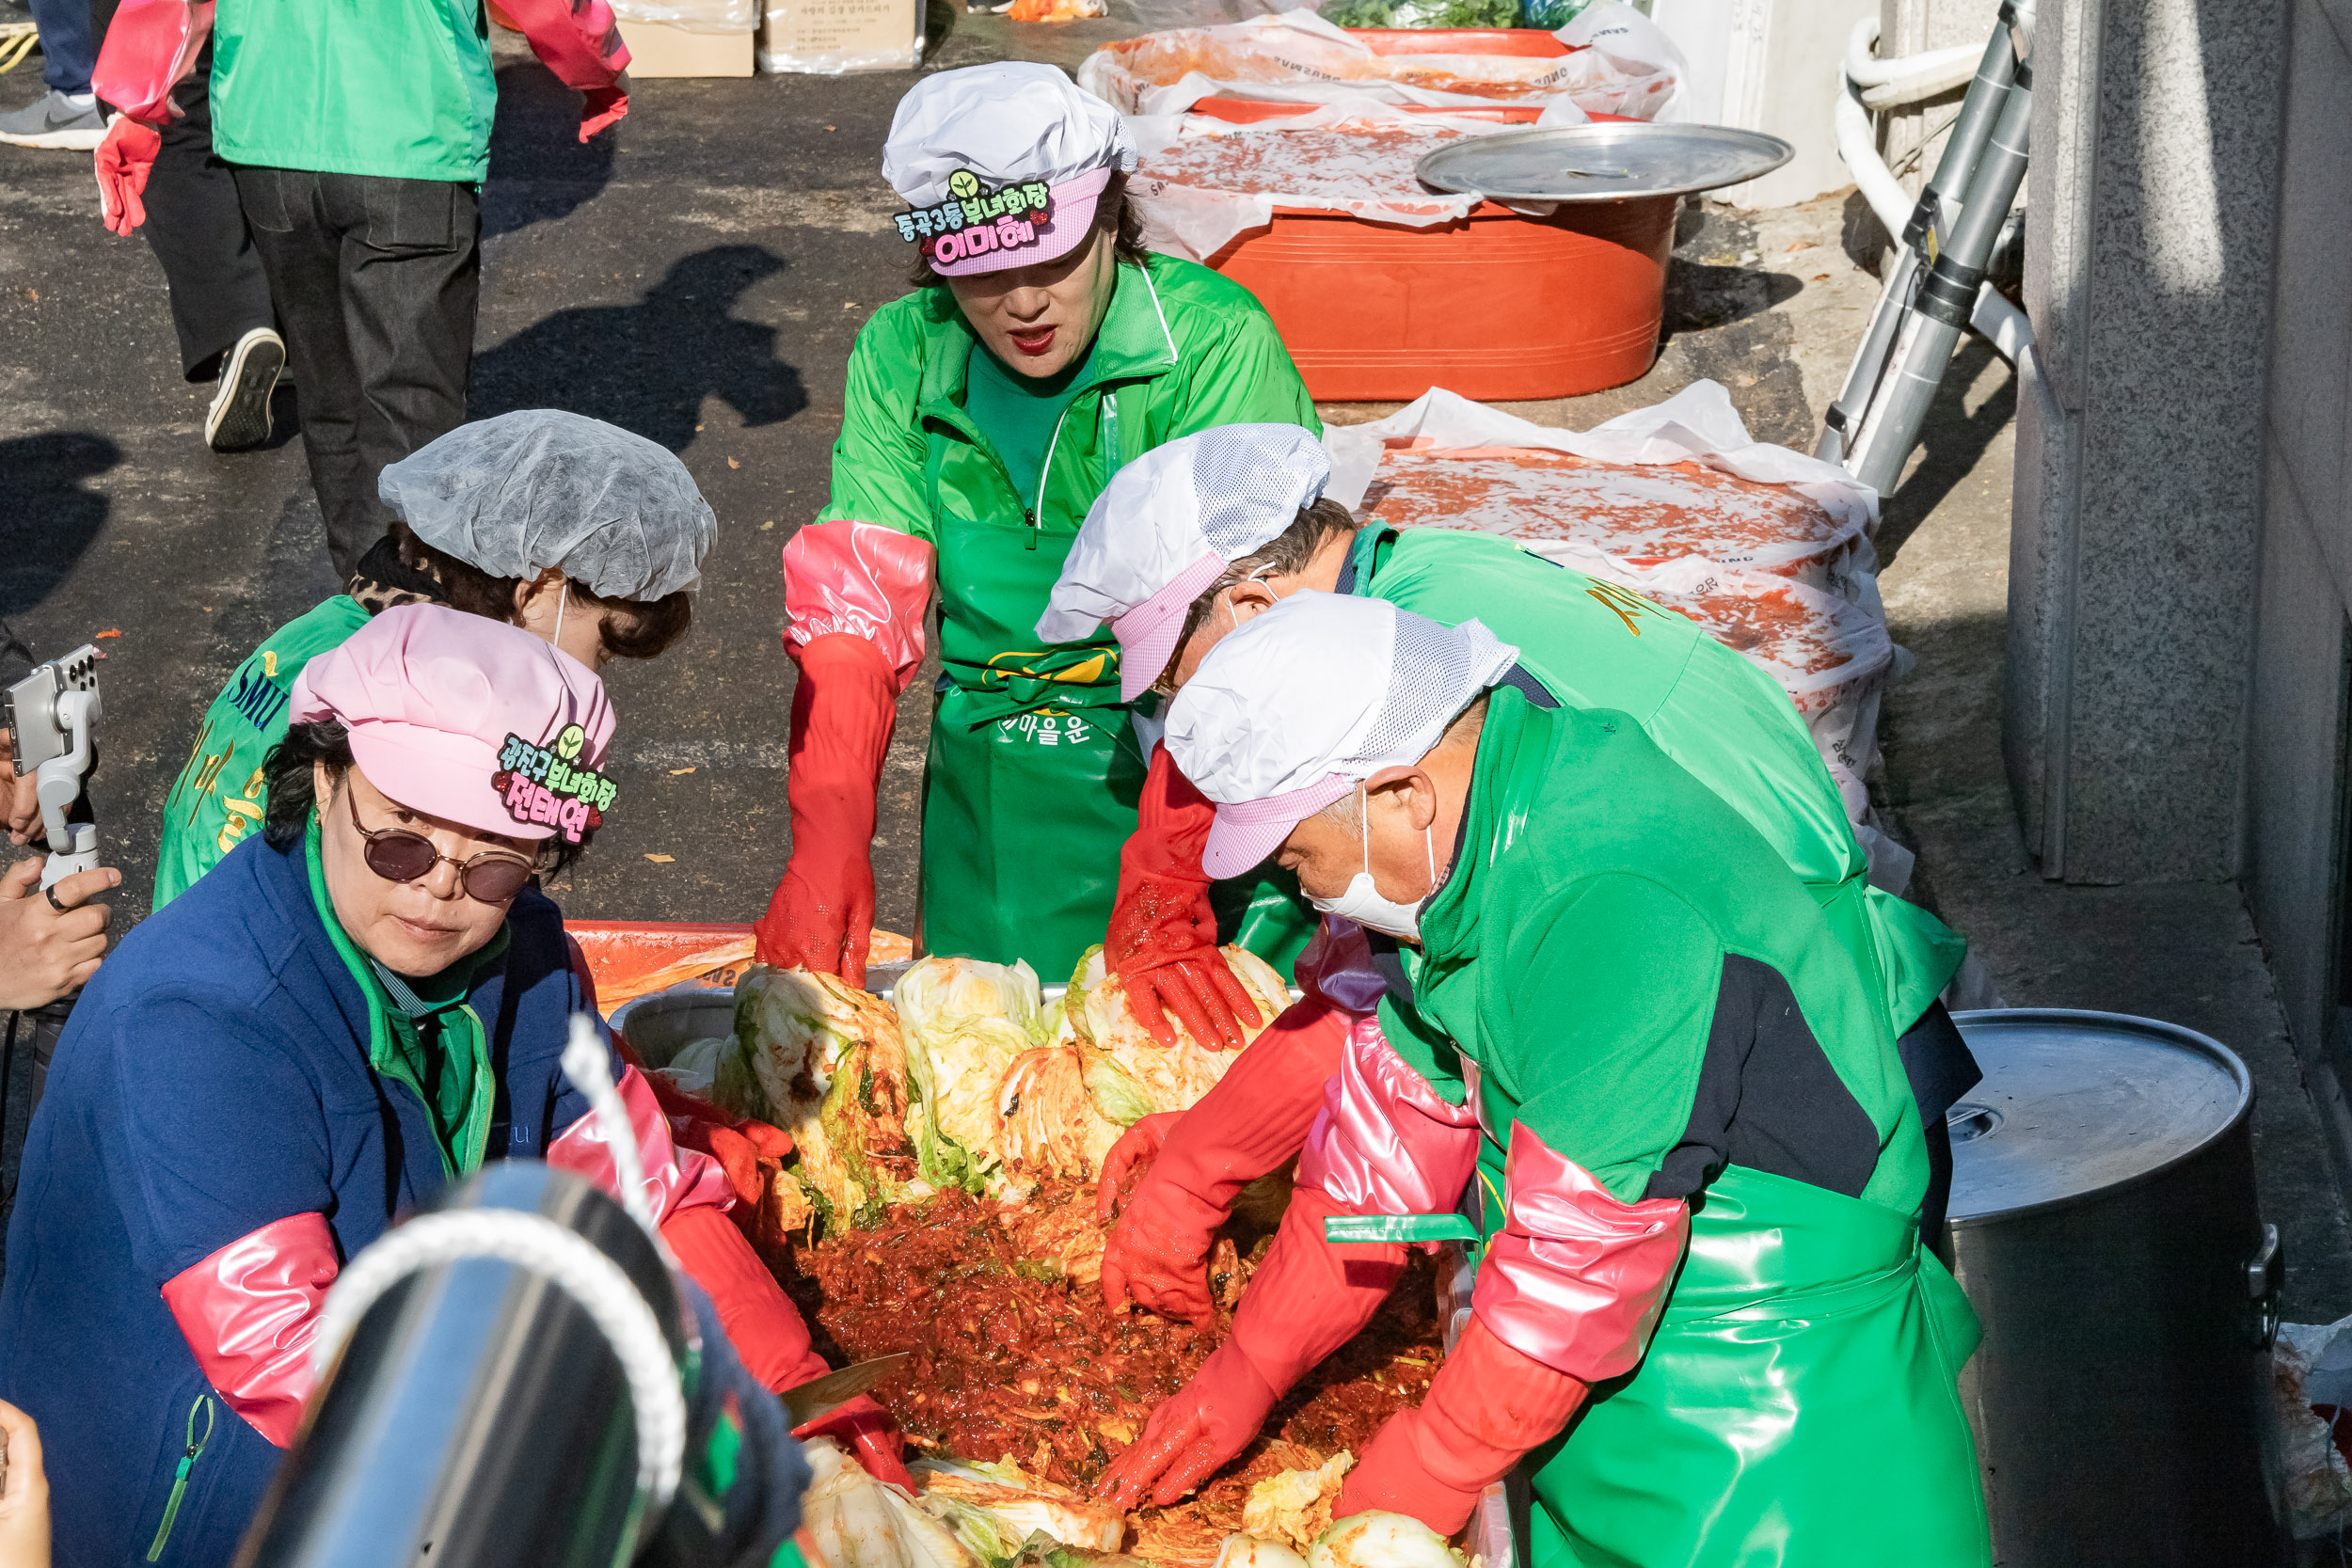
[(55, 120), (239, 418)]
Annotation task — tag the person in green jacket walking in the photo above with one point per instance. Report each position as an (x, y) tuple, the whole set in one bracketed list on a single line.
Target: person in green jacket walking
[(1625, 1031), (985, 412), (1204, 534), (358, 135), (577, 530)]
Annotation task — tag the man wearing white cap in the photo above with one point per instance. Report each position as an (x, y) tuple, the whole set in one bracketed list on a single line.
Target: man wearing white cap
[(1624, 1032), (1206, 534), (985, 412)]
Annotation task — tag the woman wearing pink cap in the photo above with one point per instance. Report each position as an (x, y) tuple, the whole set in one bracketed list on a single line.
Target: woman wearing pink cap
[(364, 1002), (985, 412)]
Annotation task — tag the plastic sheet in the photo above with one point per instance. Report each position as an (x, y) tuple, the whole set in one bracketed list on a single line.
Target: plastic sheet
[(1618, 62), (1201, 182), (2316, 1480), (1824, 516), (692, 16), (1765, 549)]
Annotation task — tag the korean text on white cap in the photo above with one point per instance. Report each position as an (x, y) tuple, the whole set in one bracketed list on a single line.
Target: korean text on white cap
[(1166, 526), (1010, 123), (1308, 700)]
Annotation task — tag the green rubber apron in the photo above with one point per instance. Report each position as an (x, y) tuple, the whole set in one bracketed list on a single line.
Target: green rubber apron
[(1798, 1407), (1035, 769)]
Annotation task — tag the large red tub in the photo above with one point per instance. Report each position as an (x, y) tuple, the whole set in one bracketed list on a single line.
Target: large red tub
[(1494, 305)]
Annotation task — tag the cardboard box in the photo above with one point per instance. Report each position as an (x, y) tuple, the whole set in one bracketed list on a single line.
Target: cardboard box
[(832, 36), (658, 48)]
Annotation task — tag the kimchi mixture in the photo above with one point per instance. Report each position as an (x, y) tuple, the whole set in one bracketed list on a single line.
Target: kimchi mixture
[(1014, 1357)]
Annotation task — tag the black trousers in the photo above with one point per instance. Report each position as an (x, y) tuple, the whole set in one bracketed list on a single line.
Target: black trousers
[(196, 229), (376, 281)]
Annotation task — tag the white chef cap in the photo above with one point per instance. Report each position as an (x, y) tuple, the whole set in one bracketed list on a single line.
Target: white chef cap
[(1009, 123), (1163, 528), (1307, 701)]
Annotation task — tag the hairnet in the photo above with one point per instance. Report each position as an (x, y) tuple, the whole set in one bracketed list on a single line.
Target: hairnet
[(540, 487)]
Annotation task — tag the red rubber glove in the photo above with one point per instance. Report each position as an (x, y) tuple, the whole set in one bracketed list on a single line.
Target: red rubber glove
[(761, 1322), (1255, 1119), (603, 107), (865, 1429), (1307, 1300), (126, 159), (1162, 933), (579, 42), (1487, 1406), (823, 914)]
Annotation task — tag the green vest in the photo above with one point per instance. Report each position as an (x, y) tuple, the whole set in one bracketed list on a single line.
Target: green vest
[(1798, 1404), (1593, 644), (397, 88), (1034, 767), (220, 795)]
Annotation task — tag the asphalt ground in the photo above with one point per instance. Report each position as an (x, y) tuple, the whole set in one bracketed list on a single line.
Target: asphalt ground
[(697, 276)]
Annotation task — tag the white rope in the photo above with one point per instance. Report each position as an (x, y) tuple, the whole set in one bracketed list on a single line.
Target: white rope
[(564, 1260), (590, 1069)]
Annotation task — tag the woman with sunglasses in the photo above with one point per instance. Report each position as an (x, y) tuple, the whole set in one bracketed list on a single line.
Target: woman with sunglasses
[(363, 1002)]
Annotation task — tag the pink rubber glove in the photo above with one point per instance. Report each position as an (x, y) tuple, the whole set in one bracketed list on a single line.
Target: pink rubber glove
[(1307, 1300), (124, 161), (1255, 1119), (1487, 1406)]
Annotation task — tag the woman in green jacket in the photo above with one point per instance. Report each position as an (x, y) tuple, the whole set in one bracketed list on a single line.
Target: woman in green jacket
[(985, 411)]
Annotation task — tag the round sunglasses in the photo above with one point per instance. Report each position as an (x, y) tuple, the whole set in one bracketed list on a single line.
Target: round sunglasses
[(398, 855)]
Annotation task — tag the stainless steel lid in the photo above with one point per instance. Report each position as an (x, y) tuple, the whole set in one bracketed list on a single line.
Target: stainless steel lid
[(2076, 1103), (1603, 161)]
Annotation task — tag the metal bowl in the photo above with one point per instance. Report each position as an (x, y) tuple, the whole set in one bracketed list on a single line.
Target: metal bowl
[(658, 1026)]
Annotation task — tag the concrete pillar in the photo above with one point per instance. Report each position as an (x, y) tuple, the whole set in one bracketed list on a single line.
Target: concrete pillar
[(2139, 475), (2294, 799)]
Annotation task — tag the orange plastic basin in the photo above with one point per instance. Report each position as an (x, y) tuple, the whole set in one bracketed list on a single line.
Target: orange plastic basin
[(1497, 306), (626, 958)]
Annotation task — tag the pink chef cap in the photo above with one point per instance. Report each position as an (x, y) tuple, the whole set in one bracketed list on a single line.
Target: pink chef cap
[(433, 697)]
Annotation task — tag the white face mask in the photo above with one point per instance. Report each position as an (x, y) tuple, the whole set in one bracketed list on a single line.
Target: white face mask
[(1363, 903)]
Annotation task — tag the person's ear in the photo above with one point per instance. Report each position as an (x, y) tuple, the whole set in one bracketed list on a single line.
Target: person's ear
[(1409, 790), (529, 591), (1252, 596)]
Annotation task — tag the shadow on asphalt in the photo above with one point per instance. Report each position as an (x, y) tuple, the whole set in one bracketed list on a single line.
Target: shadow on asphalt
[(648, 367), (540, 168), (48, 514), (1700, 298)]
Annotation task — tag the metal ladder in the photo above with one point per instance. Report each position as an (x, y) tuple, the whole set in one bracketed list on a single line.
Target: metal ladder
[(1939, 266)]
